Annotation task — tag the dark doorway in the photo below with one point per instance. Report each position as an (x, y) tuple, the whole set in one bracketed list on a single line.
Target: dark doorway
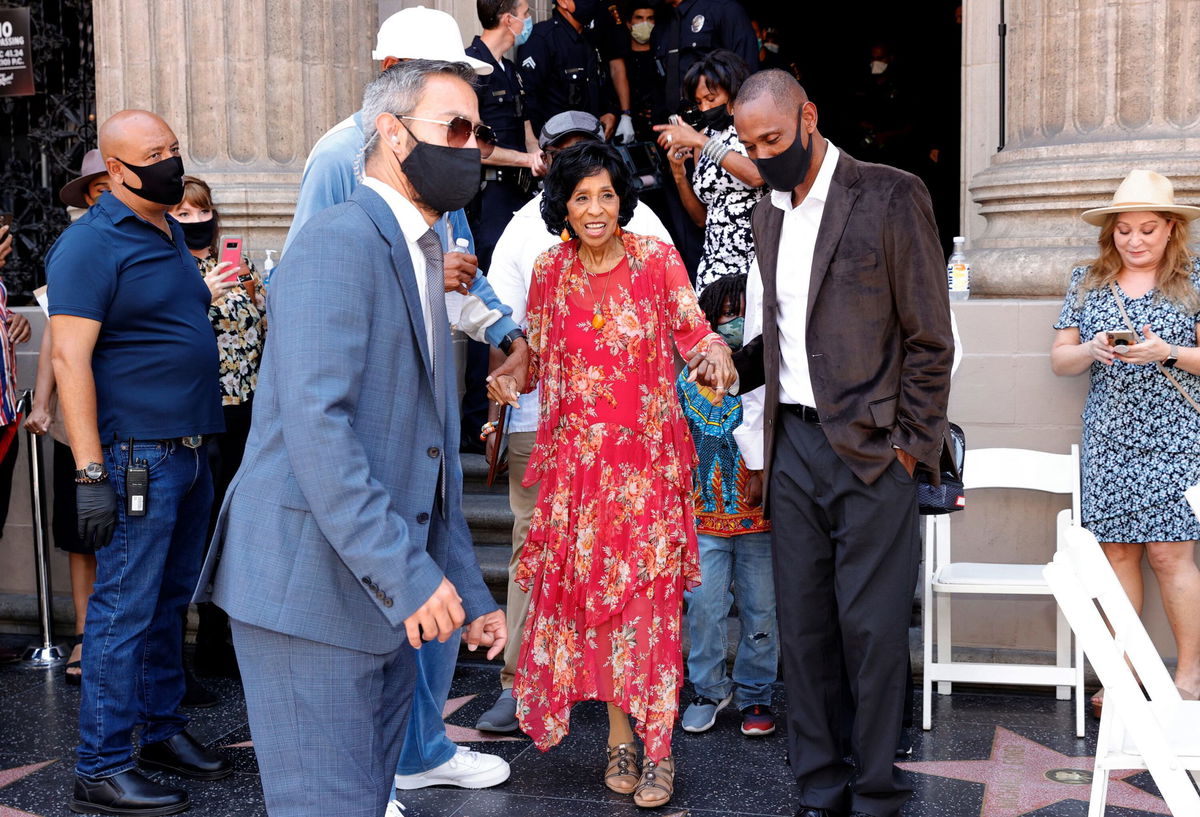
[(909, 113), (43, 137)]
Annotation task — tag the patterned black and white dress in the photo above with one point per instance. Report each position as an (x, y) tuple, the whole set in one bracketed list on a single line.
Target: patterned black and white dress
[(1141, 438), (728, 244)]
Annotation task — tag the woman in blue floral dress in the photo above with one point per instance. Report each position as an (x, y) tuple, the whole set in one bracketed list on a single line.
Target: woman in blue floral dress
[(1141, 436)]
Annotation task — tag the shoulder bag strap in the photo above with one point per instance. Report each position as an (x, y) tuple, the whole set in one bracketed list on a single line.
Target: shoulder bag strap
[(1174, 382)]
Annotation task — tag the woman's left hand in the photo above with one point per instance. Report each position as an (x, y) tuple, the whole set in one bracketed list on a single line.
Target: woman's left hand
[(676, 137), (1151, 350), (714, 368)]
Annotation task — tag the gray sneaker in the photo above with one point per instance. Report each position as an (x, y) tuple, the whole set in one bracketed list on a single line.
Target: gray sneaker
[(701, 713), (502, 717)]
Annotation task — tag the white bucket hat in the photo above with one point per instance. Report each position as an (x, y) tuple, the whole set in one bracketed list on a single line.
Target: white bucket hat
[(420, 33), (1142, 190)]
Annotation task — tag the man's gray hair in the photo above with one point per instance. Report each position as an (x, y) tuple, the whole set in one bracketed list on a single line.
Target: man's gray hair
[(398, 90)]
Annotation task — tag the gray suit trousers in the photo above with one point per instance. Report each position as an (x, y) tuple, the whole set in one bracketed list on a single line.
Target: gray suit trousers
[(327, 722)]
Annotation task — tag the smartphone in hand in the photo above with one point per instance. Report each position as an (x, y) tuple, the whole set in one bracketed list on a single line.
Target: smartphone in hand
[(231, 251)]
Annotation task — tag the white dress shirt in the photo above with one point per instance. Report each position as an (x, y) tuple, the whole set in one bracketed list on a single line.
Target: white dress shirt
[(511, 273), (413, 226)]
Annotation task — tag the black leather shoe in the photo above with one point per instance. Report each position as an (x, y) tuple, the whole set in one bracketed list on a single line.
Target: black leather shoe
[(810, 811), (126, 793), (182, 755)]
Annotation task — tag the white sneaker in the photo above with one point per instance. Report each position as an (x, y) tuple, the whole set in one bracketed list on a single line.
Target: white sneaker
[(467, 769), (395, 809)]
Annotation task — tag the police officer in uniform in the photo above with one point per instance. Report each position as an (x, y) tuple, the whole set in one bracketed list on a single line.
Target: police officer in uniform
[(561, 67), (694, 28)]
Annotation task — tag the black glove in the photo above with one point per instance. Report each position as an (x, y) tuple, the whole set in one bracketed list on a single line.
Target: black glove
[(96, 507)]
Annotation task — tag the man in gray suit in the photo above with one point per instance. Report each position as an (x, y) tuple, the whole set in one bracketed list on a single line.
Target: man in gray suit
[(341, 544)]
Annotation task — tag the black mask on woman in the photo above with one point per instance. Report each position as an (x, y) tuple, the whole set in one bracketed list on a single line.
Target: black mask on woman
[(717, 118), (787, 170), (445, 178), (585, 11), (198, 235), (162, 182)]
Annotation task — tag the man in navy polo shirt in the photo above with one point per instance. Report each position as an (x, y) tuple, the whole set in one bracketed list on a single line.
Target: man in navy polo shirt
[(136, 363)]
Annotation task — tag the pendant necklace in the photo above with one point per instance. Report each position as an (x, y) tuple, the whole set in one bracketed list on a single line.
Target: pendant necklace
[(597, 309)]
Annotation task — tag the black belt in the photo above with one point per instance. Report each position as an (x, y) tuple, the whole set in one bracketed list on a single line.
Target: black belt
[(191, 441), (806, 413)]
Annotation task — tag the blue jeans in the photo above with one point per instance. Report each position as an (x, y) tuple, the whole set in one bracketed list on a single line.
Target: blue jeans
[(745, 563), (425, 743), (132, 651)]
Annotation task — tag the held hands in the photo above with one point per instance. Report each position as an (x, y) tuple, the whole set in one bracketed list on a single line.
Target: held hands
[(504, 384), (97, 513), (713, 368), (754, 489), (459, 269), (1151, 350), (217, 286), (440, 615), (489, 630)]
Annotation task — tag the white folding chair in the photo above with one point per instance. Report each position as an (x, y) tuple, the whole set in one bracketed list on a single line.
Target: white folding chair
[(1141, 727), (945, 578)]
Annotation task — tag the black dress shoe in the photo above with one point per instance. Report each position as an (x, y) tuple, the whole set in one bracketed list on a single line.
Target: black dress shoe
[(126, 793), (182, 755), (809, 811)]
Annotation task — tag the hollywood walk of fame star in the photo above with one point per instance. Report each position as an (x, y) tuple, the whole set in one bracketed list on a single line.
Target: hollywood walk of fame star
[(1022, 776), (458, 734), (10, 776)]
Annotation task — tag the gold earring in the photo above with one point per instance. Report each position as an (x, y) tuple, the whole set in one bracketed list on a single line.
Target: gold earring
[(565, 235)]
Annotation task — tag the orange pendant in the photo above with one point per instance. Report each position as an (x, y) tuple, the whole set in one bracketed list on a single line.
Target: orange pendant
[(597, 321)]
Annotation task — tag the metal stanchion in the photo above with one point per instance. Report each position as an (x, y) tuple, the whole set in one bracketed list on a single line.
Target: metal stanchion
[(44, 653)]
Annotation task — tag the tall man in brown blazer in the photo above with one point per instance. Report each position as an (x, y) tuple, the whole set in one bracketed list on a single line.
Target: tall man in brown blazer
[(855, 353)]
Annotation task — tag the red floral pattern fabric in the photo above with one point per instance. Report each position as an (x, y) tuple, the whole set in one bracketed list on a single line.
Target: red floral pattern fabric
[(612, 544)]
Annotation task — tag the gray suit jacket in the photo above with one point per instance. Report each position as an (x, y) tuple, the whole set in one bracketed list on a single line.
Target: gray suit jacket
[(332, 530), (878, 332)]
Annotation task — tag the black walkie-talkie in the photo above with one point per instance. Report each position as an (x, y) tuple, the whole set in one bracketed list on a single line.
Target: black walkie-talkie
[(137, 485)]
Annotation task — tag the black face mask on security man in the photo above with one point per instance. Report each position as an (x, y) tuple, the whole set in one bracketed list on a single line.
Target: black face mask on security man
[(787, 170), (162, 182), (445, 178), (585, 11)]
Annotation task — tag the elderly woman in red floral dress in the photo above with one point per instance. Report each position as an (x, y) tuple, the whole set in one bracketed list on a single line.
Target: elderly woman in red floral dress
[(611, 546)]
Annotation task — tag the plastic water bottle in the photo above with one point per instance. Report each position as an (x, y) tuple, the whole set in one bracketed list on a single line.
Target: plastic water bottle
[(268, 267), (958, 271), (457, 299)]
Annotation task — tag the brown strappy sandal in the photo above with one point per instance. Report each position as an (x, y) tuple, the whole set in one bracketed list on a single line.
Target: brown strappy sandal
[(657, 783), (620, 774)]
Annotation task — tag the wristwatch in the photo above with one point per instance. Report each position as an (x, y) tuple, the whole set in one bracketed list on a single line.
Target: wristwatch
[(90, 474), (506, 342), (1172, 358)]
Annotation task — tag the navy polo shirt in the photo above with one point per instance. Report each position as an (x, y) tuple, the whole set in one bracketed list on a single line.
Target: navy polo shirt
[(155, 360)]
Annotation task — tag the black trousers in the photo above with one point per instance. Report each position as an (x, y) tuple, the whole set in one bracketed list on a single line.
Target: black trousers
[(846, 556)]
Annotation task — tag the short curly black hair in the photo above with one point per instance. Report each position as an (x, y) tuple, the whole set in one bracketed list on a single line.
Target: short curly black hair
[(573, 165)]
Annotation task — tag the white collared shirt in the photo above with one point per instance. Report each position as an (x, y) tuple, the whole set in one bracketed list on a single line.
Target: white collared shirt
[(797, 240), (413, 226)]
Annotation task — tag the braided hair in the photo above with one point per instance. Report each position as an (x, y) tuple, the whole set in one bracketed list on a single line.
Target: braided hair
[(727, 288)]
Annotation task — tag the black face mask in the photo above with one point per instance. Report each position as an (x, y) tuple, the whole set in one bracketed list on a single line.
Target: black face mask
[(162, 182), (717, 118), (787, 170), (445, 178), (198, 235), (585, 11)]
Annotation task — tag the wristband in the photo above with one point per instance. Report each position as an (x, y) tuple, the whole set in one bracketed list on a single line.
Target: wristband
[(506, 342)]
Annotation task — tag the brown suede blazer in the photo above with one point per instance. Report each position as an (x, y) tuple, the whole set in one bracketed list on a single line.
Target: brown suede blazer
[(878, 334)]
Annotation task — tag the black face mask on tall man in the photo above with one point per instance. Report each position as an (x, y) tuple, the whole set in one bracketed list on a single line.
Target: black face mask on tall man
[(445, 178), (585, 11), (785, 171), (162, 182)]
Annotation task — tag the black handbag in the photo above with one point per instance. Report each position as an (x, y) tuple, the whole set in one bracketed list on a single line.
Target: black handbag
[(948, 496)]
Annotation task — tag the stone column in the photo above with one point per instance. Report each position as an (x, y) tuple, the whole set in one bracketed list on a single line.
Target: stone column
[(247, 85), (1095, 88)]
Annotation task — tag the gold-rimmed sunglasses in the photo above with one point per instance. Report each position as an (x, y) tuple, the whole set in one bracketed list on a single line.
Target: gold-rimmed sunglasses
[(459, 130)]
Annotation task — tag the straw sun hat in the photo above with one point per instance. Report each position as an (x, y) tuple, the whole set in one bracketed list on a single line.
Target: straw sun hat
[(1142, 190)]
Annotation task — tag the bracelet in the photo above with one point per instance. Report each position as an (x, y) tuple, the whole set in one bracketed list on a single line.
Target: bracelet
[(488, 429)]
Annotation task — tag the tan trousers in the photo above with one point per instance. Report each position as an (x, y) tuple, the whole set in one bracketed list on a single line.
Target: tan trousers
[(522, 501)]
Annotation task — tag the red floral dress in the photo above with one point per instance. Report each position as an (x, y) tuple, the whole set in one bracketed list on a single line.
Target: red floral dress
[(611, 545)]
